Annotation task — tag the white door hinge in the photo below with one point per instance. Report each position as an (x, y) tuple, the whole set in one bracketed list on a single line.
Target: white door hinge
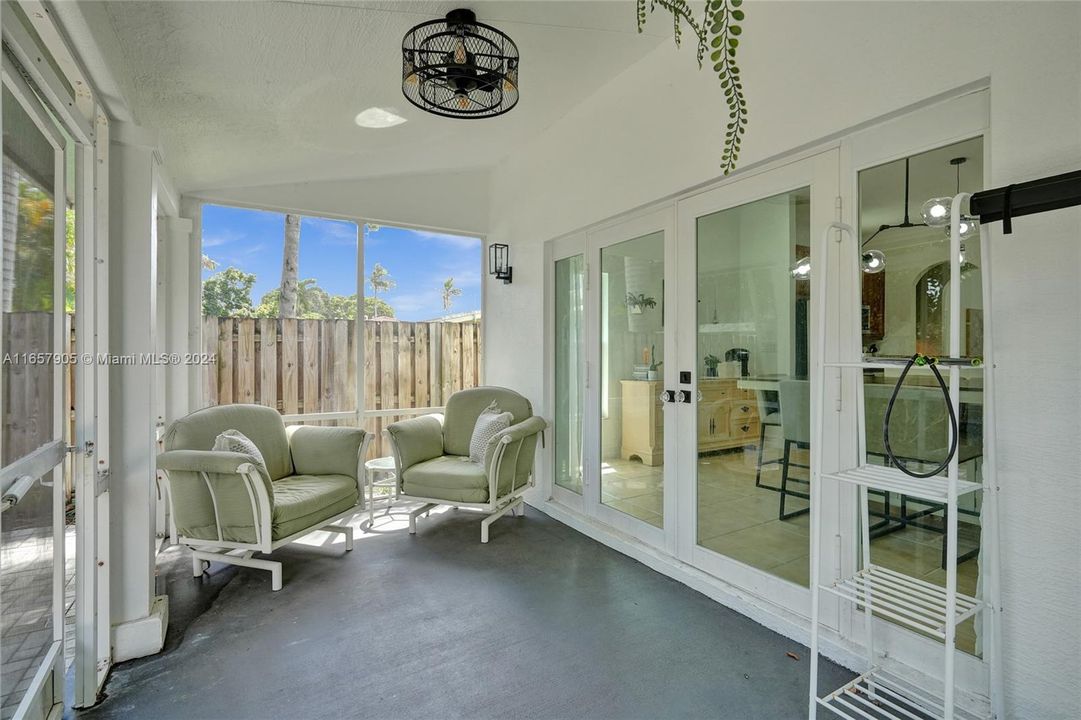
[(101, 483), (587, 276), (587, 374)]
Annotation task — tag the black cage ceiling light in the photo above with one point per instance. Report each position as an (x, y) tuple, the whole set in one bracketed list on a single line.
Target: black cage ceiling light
[(457, 67)]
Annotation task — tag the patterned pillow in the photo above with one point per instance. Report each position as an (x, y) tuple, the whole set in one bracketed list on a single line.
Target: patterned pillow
[(236, 441), (489, 422)]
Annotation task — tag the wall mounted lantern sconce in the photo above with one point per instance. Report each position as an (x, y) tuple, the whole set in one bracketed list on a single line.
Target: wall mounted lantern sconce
[(499, 262)]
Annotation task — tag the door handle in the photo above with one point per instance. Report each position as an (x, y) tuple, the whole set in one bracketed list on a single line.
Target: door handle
[(684, 396), (668, 396)]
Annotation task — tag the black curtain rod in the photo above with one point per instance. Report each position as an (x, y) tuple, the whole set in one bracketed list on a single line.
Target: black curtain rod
[(1027, 198)]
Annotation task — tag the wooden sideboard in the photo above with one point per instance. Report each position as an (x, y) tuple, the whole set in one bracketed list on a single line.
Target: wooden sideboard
[(727, 418), (727, 415), (643, 421)]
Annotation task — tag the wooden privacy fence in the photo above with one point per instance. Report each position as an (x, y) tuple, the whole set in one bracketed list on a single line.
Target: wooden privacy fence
[(309, 366)]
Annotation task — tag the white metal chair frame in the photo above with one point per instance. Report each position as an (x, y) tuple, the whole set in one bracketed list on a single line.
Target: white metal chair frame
[(511, 502), (231, 552)]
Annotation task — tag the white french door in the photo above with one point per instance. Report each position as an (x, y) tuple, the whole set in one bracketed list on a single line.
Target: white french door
[(33, 405), (746, 348), (629, 461)]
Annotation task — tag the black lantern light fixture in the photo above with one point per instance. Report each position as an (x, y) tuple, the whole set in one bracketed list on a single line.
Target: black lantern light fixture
[(457, 67), (499, 262)]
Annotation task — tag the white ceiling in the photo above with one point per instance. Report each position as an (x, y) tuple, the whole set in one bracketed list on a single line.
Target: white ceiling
[(261, 93)]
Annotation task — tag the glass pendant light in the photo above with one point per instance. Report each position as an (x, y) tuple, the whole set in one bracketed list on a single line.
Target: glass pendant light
[(801, 269), (873, 262), (968, 228), (936, 211)]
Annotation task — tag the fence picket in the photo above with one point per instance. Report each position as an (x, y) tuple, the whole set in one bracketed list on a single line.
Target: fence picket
[(210, 373), (420, 365), (245, 360), (268, 362), (310, 365), (225, 359), (290, 393)]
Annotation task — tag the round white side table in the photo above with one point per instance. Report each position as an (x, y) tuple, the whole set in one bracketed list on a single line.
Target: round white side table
[(381, 473)]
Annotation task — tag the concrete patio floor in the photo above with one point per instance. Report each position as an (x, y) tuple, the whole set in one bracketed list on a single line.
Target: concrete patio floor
[(542, 622)]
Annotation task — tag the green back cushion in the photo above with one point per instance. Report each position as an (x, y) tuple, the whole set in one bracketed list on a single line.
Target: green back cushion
[(262, 425), (325, 450), (465, 406)]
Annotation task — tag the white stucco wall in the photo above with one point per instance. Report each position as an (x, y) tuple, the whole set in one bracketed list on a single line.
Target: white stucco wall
[(813, 70)]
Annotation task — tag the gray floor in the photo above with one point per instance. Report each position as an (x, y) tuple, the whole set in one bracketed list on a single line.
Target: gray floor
[(540, 623)]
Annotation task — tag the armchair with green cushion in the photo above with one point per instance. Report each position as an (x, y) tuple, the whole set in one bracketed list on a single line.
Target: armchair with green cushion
[(431, 455), (225, 507)]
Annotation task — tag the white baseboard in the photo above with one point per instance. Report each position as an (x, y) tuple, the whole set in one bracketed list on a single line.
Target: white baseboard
[(143, 636)]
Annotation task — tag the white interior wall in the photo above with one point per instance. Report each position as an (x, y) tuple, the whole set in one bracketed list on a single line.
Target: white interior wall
[(813, 70)]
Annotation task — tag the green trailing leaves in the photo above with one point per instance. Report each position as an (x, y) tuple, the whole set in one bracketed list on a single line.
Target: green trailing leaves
[(717, 30)]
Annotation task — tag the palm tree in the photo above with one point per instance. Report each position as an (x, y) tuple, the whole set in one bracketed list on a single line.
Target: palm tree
[(287, 307), (380, 280), (449, 293)]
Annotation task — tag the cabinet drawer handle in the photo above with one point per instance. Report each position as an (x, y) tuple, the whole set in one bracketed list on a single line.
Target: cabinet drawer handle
[(745, 408), (745, 428)]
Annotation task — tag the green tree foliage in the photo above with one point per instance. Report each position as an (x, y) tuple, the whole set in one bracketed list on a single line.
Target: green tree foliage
[(313, 303), (380, 280), (449, 293), (32, 290), (228, 293), (377, 307)]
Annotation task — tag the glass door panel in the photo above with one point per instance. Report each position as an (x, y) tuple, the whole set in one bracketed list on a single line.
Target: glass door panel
[(753, 419), (746, 343), (569, 372), (632, 353), (906, 309), (31, 444)]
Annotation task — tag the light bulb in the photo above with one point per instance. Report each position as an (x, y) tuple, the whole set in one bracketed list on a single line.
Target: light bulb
[(511, 81), (801, 269), (873, 262), (463, 101), (967, 228), (936, 211), (460, 55)]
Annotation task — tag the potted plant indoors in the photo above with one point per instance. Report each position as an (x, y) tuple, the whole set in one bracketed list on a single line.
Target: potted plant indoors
[(636, 302), (711, 361), (654, 364)]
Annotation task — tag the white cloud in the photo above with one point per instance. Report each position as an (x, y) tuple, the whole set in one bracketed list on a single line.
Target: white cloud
[(462, 242)]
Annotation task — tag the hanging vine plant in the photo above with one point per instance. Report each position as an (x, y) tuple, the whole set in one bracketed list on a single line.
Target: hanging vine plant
[(717, 33)]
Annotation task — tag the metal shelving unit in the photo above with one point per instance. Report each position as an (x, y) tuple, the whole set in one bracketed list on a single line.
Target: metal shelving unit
[(916, 604)]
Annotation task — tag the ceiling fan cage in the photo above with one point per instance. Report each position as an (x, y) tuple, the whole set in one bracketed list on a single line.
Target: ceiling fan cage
[(458, 67)]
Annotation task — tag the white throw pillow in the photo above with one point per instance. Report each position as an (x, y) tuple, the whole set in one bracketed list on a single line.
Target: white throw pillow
[(236, 441), (489, 422)]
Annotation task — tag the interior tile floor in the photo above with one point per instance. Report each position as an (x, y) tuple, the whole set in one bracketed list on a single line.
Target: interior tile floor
[(740, 520), (542, 622)]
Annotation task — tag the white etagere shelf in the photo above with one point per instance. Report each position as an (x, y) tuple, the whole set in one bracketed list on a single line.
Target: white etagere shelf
[(877, 695), (880, 592), (915, 603), (887, 479)]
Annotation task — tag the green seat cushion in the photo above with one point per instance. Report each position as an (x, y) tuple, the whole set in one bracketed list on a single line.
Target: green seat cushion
[(449, 477), (302, 501)]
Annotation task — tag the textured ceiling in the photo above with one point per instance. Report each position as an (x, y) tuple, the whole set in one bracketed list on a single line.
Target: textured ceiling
[(258, 93)]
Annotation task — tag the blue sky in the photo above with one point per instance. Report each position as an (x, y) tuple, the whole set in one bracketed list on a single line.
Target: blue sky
[(418, 260)]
